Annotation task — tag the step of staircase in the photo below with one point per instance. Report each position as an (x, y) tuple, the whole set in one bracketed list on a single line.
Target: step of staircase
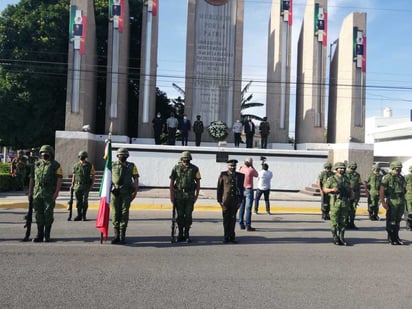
[(96, 186), (314, 191)]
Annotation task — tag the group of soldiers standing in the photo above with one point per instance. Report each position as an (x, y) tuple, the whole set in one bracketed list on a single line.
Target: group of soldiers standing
[(340, 193), (339, 185)]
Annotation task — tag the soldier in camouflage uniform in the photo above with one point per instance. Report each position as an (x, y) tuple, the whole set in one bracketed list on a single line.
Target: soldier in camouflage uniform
[(18, 169), (408, 200), (392, 195), (324, 197), (340, 192), (372, 186), (355, 181), (44, 187), (184, 190), (229, 196), (82, 182), (125, 181)]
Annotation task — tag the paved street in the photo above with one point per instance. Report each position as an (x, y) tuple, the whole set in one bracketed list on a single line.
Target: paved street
[(289, 262)]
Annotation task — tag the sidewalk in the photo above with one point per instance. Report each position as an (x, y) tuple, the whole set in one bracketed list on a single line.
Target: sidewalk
[(158, 199)]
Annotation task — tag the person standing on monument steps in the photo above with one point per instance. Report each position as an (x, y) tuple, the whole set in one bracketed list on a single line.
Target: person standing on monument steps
[(172, 123), (44, 187), (250, 132), (237, 129), (198, 130), (264, 129), (158, 125), (82, 183), (229, 196), (125, 184), (185, 127), (184, 190)]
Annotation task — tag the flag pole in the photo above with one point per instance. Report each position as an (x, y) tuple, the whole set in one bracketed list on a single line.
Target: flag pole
[(102, 220)]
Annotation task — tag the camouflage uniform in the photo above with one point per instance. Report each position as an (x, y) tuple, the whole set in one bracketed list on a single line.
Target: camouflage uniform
[(355, 181), (45, 181), (19, 169), (125, 185), (392, 194), (372, 185), (339, 190), (229, 196), (184, 189), (324, 201), (408, 199), (82, 181)]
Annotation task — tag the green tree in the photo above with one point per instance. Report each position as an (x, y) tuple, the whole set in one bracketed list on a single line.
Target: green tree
[(33, 70), (245, 103)]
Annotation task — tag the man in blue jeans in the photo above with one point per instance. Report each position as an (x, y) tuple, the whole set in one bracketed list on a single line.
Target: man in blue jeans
[(245, 210)]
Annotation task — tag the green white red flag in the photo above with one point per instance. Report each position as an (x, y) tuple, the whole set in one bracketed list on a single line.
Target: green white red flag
[(102, 220)]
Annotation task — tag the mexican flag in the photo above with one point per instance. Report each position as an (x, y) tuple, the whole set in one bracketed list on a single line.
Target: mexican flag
[(102, 220)]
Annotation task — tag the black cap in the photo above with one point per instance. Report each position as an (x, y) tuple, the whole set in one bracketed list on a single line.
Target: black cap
[(231, 162)]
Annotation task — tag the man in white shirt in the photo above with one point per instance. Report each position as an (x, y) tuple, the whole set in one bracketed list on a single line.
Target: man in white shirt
[(263, 187)]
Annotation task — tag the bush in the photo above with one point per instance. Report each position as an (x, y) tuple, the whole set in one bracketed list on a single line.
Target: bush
[(4, 168), (6, 182)]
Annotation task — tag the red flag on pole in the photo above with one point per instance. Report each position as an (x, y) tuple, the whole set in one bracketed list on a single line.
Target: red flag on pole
[(102, 220)]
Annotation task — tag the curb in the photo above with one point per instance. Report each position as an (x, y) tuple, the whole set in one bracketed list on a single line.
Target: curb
[(161, 206)]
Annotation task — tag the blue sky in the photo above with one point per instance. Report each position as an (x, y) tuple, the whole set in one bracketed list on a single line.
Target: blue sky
[(389, 48)]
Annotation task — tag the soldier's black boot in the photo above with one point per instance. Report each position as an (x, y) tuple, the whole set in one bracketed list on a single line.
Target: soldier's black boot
[(79, 215), (392, 236), (342, 238), (323, 215), (40, 234), (116, 239), (400, 241), (84, 218), (187, 236), (180, 236), (336, 239), (123, 236), (47, 231)]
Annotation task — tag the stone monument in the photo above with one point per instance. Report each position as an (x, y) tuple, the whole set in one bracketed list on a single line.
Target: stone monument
[(311, 74), (278, 70), (214, 60)]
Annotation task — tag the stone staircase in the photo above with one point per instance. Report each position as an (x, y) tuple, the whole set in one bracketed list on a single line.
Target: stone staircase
[(314, 191), (96, 186)]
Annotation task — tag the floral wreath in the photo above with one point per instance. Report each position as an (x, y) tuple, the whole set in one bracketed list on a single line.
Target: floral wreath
[(218, 130)]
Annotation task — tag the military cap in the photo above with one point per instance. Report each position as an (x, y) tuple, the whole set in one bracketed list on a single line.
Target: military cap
[(352, 165), (47, 148), (232, 162), (186, 154), (122, 151), (327, 165), (83, 154), (339, 165), (395, 164)]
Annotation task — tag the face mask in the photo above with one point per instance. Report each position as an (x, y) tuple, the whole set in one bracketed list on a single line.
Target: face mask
[(45, 156), (122, 159)]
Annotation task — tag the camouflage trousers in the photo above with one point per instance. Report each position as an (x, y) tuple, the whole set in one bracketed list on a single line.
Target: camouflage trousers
[(338, 213), (184, 208), (44, 209)]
